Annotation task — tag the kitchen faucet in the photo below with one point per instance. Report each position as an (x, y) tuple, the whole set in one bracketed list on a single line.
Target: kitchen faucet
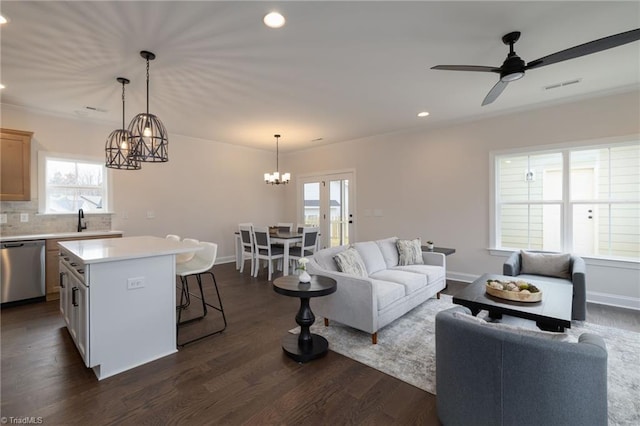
[(81, 225)]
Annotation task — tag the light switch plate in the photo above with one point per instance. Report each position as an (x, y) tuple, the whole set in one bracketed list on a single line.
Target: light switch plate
[(24, 217), (3, 218)]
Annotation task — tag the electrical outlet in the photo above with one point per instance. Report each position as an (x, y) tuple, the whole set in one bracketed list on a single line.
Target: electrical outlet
[(135, 283), (151, 214), (24, 217), (3, 218)]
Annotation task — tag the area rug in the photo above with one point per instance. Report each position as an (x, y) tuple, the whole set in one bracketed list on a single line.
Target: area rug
[(406, 350)]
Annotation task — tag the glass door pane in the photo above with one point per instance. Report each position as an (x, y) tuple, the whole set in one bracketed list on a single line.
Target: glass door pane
[(311, 203), (338, 212)]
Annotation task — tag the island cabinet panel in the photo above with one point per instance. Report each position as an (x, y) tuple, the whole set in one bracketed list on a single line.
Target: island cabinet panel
[(132, 313)]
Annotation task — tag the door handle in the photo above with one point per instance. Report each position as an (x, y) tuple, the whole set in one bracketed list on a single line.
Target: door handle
[(350, 221), (62, 274), (74, 300)]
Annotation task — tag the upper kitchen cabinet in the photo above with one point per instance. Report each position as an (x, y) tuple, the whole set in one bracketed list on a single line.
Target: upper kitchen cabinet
[(15, 165)]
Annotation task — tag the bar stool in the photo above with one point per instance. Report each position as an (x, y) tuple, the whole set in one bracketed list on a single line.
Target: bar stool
[(200, 265)]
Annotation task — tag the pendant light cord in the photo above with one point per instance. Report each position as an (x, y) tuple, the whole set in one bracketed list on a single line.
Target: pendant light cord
[(277, 156), (123, 83), (147, 86)]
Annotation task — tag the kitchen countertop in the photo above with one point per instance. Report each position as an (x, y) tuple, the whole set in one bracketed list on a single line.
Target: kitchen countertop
[(57, 235), (114, 249)]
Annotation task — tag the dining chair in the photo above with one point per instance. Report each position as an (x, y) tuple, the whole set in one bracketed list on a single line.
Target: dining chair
[(308, 246), (284, 227), (199, 265), (265, 250), (248, 245)]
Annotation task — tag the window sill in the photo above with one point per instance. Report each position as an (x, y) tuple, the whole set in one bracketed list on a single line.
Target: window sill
[(589, 260)]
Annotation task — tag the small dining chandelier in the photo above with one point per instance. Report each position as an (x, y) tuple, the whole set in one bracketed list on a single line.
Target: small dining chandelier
[(275, 178), (118, 149), (149, 135)]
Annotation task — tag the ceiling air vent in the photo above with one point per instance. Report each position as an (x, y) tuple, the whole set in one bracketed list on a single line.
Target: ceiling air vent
[(563, 84), (96, 109)]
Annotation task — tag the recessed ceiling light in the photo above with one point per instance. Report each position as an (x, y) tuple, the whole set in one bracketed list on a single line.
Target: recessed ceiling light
[(423, 114), (3, 20), (274, 20)]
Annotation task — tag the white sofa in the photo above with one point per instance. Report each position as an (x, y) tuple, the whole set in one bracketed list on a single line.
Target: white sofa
[(388, 292)]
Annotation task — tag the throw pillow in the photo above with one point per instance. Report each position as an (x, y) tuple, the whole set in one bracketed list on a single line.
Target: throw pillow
[(409, 252), (548, 264), (350, 262)]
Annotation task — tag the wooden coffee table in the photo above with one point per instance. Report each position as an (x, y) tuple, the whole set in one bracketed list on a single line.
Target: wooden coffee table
[(552, 313)]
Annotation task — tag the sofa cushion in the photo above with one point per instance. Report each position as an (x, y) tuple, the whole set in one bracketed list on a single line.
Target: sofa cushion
[(433, 273), (555, 280), (521, 331), (371, 255), (325, 257), (409, 252), (387, 292), (350, 262), (411, 281), (389, 251), (548, 264)]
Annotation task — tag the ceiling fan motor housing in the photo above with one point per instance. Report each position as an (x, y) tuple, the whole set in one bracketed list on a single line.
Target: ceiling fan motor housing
[(512, 69)]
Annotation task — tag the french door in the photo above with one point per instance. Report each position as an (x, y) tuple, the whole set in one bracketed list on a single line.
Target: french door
[(327, 201)]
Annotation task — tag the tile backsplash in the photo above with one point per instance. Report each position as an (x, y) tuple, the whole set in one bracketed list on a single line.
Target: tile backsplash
[(45, 224)]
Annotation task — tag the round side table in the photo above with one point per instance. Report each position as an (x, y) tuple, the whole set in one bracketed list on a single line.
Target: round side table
[(305, 346)]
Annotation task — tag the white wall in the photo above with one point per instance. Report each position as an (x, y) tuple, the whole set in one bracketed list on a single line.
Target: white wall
[(434, 183), (203, 192)]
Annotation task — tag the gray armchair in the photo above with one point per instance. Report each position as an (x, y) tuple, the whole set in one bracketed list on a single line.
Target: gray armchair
[(577, 270), (488, 375)]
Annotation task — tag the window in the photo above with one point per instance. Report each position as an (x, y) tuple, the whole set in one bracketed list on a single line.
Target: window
[(584, 200), (69, 184)]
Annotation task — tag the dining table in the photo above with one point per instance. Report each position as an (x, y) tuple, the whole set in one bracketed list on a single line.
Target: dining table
[(286, 238)]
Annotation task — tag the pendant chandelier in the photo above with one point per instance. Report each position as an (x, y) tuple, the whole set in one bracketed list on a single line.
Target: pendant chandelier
[(118, 152), (275, 178), (148, 134)]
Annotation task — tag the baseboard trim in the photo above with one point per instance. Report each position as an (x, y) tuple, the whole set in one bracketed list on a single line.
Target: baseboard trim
[(592, 296), (613, 300), (225, 259), (462, 277)]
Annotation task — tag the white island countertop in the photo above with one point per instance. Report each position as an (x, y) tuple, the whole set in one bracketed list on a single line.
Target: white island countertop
[(114, 249), (57, 235)]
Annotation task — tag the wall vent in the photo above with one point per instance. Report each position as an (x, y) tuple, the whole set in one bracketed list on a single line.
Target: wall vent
[(563, 84)]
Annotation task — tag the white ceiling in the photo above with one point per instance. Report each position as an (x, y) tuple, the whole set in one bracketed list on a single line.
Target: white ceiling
[(336, 70)]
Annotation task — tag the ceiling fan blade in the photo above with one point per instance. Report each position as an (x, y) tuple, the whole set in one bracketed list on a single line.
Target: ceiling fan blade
[(466, 68), (587, 48), (494, 92)]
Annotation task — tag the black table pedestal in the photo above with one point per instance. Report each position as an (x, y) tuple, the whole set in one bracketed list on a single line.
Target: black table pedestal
[(305, 346)]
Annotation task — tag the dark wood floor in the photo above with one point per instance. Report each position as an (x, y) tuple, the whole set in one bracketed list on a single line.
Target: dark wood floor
[(238, 377)]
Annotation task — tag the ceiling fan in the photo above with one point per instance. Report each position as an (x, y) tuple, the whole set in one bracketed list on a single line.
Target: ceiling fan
[(513, 68)]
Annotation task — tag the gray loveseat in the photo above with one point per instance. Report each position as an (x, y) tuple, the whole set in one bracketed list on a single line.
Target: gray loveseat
[(492, 375), (385, 294)]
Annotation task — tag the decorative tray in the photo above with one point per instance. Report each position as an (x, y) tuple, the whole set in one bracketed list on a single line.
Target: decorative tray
[(519, 291)]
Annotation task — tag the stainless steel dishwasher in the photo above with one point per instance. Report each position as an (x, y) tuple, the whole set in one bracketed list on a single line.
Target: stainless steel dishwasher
[(22, 271)]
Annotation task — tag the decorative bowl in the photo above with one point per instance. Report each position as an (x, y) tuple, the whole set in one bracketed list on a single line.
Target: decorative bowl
[(518, 296)]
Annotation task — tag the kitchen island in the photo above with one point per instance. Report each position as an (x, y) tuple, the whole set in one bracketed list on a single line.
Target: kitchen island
[(118, 299)]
